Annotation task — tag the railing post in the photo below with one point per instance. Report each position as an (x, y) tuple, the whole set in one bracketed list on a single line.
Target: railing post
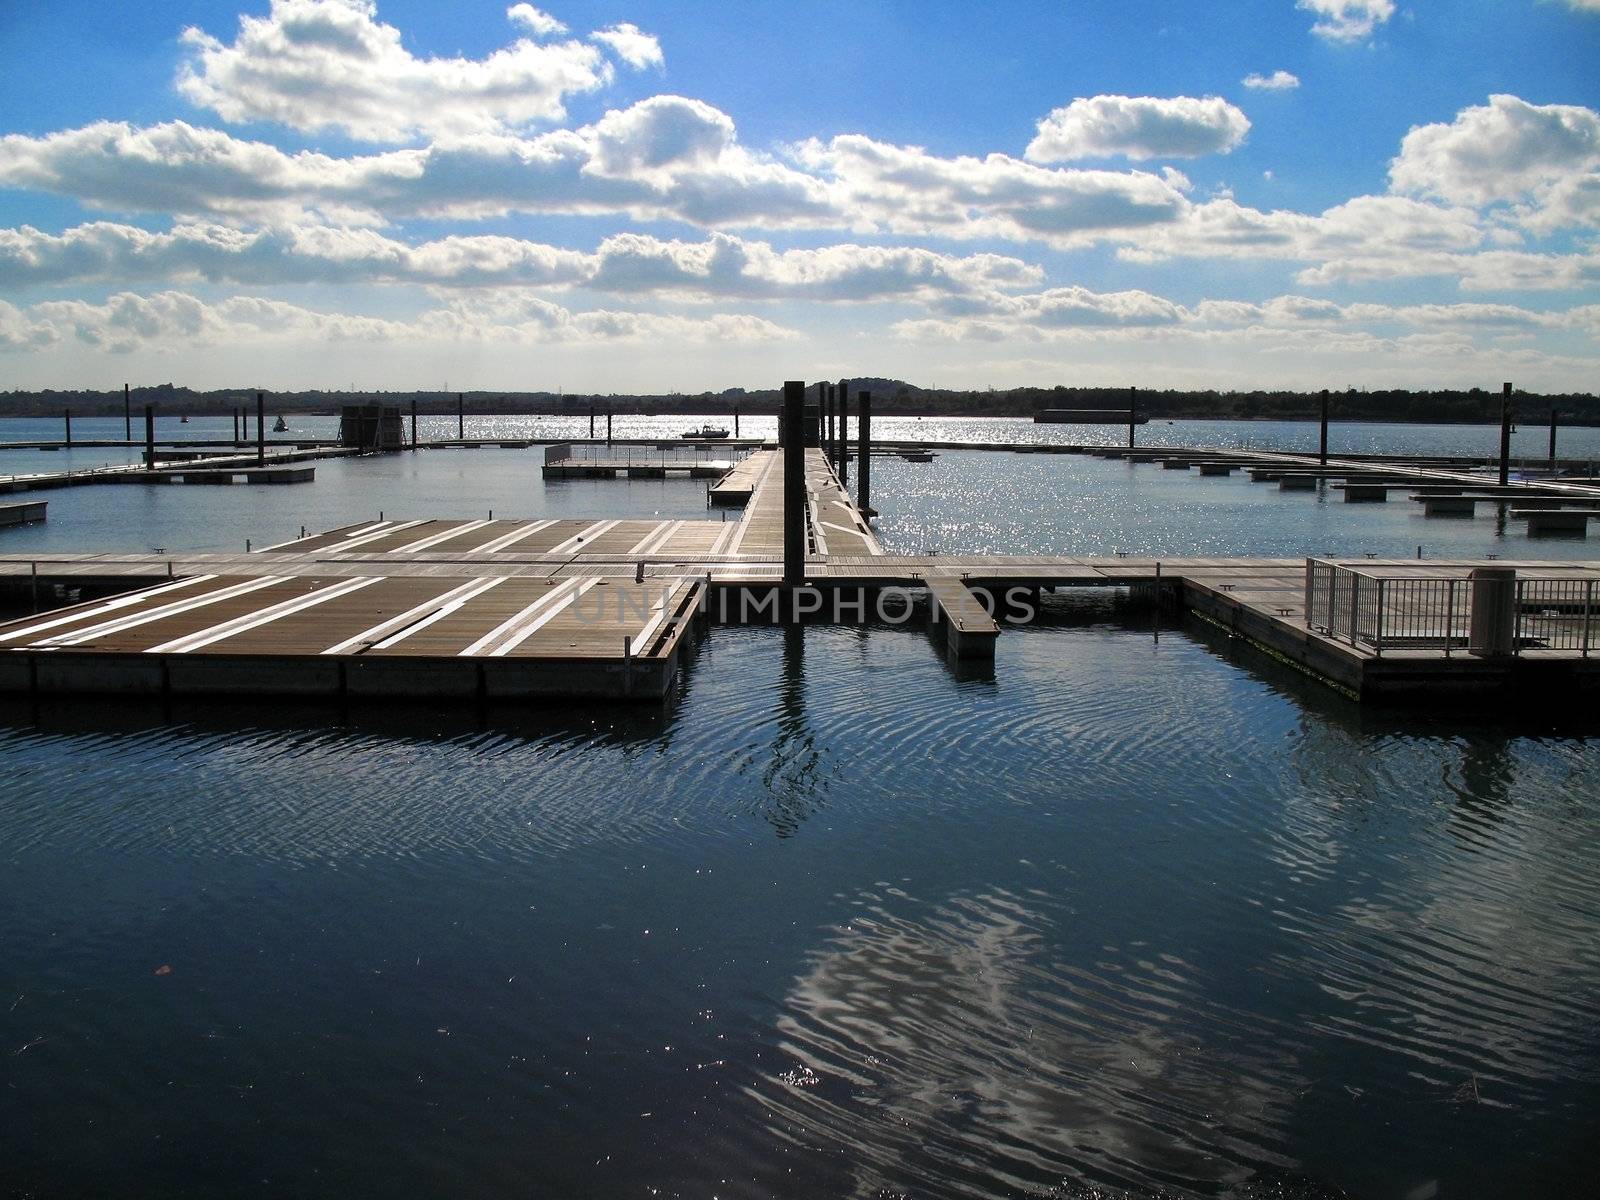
[(1588, 612), (1450, 617), (1309, 613), (1377, 633)]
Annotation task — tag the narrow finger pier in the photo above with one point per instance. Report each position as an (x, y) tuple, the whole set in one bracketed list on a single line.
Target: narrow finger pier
[(369, 633)]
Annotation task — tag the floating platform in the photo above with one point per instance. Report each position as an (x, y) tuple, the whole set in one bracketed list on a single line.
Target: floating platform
[(23, 514)]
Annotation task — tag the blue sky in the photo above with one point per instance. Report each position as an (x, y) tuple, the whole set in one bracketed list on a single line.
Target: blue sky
[(676, 196)]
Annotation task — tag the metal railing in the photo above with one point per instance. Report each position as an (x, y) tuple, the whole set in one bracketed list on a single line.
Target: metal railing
[(1409, 612)]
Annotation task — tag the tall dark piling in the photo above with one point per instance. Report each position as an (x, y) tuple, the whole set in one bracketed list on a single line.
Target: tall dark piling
[(844, 432), (149, 437), (413, 424), (830, 445), (591, 422), (127, 415), (735, 420), (1133, 401), (864, 453), (1322, 436), (1505, 434), (461, 418), (794, 482), (69, 431), (608, 424), (1554, 418), (261, 429), (235, 414)]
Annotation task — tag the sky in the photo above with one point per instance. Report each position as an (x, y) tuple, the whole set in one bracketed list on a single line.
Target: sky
[(649, 196)]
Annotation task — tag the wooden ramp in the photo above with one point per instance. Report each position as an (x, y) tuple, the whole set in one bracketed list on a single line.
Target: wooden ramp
[(970, 629)]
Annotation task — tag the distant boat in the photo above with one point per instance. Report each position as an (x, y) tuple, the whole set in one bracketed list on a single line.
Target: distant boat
[(918, 455), (280, 426), (704, 433), (183, 420)]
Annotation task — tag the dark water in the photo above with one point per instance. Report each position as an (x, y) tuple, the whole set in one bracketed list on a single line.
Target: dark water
[(1128, 916)]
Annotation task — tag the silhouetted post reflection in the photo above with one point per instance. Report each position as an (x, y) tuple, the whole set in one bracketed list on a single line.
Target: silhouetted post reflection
[(793, 776)]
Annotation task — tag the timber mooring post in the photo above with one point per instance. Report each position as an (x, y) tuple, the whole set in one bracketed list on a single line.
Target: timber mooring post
[(461, 418), (864, 454), (1322, 437), (829, 446), (1133, 400), (413, 424), (261, 429), (1552, 432), (149, 437), (1554, 415), (794, 482), (235, 414), (591, 422), (735, 420), (844, 432), (608, 424), (127, 415), (1505, 434)]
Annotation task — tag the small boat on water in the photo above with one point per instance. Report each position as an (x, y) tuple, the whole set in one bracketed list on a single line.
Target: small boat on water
[(704, 433), (280, 426), (183, 420), (918, 455)]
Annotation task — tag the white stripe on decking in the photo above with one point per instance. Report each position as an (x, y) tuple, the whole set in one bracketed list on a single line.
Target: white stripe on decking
[(516, 535), (642, 638), (558, 595), (585, 535), (655, 532), (445, 604), (197, 641), (722, 538), (543, 619), (108, 606), (657, 538), (815, 512), (134, 620), (373, 537), (425, 543)]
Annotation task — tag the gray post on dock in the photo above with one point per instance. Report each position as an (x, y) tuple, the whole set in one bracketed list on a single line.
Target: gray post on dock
[(1553, 417), (794, 482), (1322, 439), (591, 422), (1492, 632), (127, 415), (413, 424), (844, 431), (1552, 432), (461, 419), (608, 424), (735, 420), (1133, 399), (235, 425), (1505, 435), (261, 429), (864, 453), (149, 437)]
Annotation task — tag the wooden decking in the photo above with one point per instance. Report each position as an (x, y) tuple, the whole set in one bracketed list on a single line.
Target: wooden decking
[(605, 607)]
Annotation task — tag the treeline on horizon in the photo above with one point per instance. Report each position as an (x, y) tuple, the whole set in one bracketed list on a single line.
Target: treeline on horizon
[(889, 396)]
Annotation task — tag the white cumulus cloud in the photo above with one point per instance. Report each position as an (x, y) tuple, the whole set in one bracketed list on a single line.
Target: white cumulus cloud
[(535, 20), (1347, 20), (1278, 81), (1544, 158), (633, 46), (1138, 127), (331, 64)]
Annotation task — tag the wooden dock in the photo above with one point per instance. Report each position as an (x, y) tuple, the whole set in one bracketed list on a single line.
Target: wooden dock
[(22, 514), (502, 608)]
